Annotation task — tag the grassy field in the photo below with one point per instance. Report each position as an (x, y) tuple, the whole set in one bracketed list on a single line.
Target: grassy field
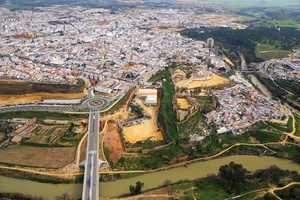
[(191, 126), (204, 101), (17, 7), (237, 4), (268, 52), (281, 23), (285, 128), (167, 117)]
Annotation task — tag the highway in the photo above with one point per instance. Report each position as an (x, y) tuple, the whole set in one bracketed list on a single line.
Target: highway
[(91, 170)]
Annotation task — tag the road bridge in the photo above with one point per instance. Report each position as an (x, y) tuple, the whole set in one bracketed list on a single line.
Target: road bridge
[(92, 163)]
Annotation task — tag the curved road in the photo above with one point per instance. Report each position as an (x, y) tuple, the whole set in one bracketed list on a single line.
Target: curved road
[(84, 105)]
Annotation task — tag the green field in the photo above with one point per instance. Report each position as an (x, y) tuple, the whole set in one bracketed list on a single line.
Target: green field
[(268, 52), (281, 23), (237, 4), (17, 7), (191, 126), (204, 101)]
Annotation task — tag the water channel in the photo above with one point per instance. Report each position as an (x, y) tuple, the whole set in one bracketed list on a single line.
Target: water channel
[(151, 180), (260, 86)]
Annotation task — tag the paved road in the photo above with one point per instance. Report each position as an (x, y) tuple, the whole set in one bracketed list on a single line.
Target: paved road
[(91, 171), (84, 105)]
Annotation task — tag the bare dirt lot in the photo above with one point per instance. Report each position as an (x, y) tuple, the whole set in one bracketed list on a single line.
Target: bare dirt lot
[(146, 130), (38, 156), (2, 135), (113, 141), (216, 80), (183, 103)]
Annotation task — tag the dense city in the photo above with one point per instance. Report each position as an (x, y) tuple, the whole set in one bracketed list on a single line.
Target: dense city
[(149, 99)]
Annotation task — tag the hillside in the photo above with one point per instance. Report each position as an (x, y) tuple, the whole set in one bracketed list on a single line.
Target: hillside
[(22, 87)]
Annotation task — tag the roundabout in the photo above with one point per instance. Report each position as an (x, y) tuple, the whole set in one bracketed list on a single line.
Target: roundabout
[(95, 103)]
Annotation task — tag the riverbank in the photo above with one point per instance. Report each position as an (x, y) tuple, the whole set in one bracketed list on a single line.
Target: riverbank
[(151, 180)]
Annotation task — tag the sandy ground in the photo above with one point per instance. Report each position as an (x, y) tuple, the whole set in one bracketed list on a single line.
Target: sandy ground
[(32, 98), (38, 156), (113, 141), (282, 110), (183, 103), (179, 72), (2, 135), (121, 114), (146, 130), (228, 61), (280, 121), (214, 81)]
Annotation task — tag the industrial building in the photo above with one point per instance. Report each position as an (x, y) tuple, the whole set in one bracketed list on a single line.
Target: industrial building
[(149, 96)]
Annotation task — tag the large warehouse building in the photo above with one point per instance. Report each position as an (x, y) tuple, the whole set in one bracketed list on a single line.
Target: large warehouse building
[(149, 96)]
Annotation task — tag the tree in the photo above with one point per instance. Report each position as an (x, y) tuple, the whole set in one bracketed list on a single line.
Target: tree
[(132, 190), (234, 175), (168, 184), (137, 189)]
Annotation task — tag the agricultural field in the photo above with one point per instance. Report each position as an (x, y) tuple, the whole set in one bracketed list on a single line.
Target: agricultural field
[(51, 146), (48, 134), (281, 23), (37, 156), (234, 4), (268, 52), (57, 135)]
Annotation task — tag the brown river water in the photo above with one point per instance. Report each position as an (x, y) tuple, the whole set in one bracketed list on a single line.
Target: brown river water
[(151, 180)]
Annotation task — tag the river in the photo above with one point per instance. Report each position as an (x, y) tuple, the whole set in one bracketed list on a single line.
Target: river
[(260, 86), (243, 61), (151, 180)]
